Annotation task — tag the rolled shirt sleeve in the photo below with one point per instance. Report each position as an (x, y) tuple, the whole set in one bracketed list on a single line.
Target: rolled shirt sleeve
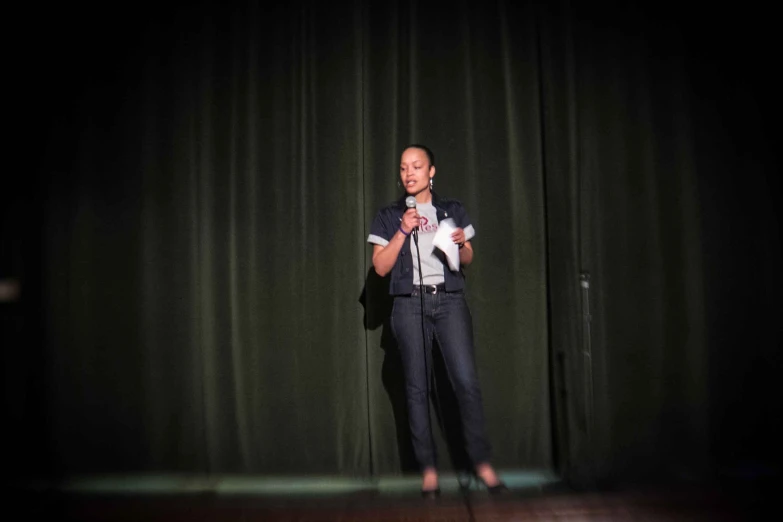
[(462, 221), (381, 231)]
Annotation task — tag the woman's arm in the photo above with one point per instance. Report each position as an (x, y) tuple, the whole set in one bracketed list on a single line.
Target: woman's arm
[(465, 248), (466, 254), (384, 257)]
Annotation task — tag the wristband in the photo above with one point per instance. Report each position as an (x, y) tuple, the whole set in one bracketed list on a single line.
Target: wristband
[(403, 232)]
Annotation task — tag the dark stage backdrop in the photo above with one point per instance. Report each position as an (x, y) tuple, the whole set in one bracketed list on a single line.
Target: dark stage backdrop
[(197, 292)]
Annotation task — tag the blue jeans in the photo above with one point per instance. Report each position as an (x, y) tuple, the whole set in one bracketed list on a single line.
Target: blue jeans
[(448, 320)]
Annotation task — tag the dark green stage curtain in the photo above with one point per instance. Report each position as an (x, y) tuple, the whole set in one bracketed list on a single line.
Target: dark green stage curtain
[(200, 297)]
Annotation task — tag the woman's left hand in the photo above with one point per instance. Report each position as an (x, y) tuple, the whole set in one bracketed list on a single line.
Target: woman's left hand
[(458, 236)]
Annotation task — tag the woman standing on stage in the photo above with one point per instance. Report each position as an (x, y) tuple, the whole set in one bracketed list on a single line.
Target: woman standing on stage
[(398, 234)]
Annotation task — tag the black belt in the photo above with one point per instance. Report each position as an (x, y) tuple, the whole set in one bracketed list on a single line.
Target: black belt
[(429, 289)]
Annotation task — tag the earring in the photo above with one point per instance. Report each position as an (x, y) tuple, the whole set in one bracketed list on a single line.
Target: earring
[(432, 184)]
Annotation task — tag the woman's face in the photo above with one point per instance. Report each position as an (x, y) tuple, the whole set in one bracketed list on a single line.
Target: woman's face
[(415, 170)]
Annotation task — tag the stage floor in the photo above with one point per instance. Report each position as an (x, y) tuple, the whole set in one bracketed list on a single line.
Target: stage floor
[(311, 499)]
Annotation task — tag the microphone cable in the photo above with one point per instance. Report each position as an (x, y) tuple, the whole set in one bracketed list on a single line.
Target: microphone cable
[(424, 337), (427, 373), (410, 202)]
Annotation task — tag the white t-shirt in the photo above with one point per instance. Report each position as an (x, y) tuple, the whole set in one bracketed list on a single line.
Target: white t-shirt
[(432, 259)]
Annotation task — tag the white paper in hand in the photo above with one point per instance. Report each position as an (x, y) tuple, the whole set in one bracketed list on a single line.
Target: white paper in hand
[(443, 241)]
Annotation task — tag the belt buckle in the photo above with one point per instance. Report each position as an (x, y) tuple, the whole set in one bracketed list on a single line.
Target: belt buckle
[(434, 289)]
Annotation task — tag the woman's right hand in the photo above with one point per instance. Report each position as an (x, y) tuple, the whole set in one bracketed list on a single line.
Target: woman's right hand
[(410, 220), (384, 257)]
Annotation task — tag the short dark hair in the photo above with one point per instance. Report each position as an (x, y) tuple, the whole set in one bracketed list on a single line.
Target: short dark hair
[(427, 151)]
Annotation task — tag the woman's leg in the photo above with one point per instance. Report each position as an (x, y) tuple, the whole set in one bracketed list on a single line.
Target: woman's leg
[(406, 326), (454, 332)]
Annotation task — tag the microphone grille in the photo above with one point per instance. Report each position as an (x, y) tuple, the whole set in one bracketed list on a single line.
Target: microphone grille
[(410, 202)]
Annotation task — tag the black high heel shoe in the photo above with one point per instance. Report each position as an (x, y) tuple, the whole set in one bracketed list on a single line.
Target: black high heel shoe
[(498, 489)]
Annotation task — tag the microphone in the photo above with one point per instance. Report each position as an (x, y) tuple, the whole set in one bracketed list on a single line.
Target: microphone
[(410, 202)]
